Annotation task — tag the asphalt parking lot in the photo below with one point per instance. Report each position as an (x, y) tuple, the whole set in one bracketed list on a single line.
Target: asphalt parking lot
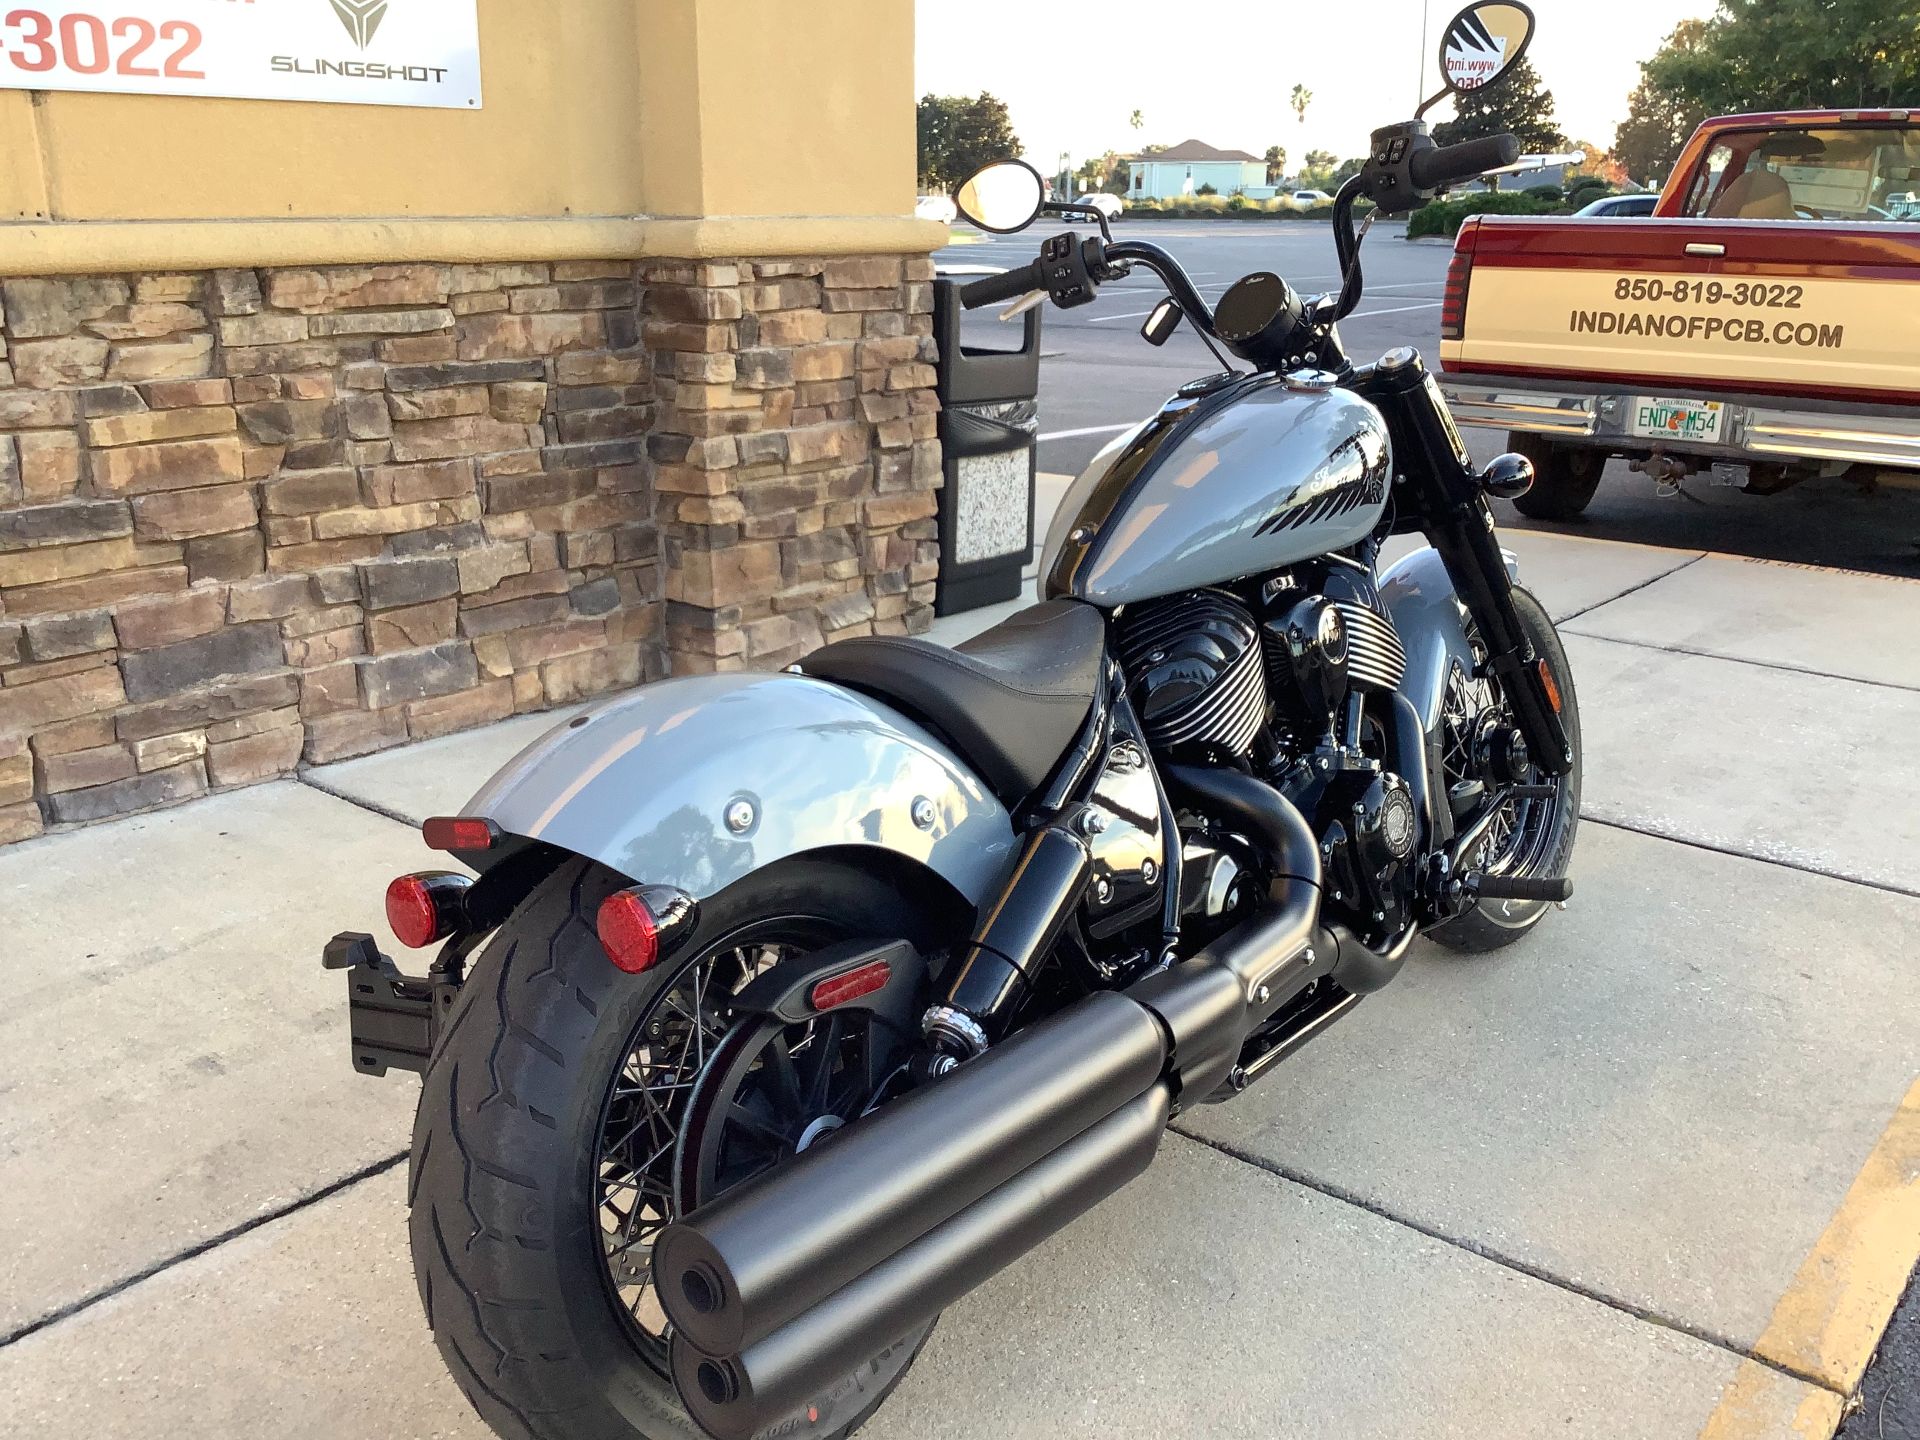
[(1100, 373), (1653, 1173)]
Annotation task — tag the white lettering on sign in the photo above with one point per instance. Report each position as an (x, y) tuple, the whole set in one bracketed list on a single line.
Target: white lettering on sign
[(346, 52)]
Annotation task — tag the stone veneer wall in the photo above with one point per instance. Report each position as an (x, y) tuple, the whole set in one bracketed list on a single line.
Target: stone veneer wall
[(254, 519)]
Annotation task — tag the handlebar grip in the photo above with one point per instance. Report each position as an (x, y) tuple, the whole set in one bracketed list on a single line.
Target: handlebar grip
[(1450, 164), (1009, 285)]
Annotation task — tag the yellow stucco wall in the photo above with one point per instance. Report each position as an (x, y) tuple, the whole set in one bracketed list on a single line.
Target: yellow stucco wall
[(640, 120)]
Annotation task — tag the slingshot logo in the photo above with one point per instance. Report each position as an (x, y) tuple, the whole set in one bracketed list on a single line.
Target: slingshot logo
[(361, 17)]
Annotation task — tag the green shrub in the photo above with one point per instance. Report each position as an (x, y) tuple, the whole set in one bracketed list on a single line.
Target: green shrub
[(1206, 190), (1236, 203), (1443, 217), (1585, 190)]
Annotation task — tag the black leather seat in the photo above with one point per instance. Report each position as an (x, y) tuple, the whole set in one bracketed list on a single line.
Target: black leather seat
[(1010, 700)]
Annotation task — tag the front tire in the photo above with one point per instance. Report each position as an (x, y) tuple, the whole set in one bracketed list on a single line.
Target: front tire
[(1565, 477), (539, 1303), (1495, 924)]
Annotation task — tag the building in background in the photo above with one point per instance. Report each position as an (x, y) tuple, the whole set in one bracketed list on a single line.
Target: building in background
[(486, 367), (1184, 168)]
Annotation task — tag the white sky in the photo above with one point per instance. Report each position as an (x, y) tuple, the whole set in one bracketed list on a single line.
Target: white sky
[(1221, 70)]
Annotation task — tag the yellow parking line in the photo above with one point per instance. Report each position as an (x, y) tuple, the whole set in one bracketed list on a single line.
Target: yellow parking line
[(1831, 1319), (1762, 1404)]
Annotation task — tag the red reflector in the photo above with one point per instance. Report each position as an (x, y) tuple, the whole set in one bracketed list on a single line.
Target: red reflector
[(1453, 303), (627, 931), (851, 985), (459, 832), (412, 913)]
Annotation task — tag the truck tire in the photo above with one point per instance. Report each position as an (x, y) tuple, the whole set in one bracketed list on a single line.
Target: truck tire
[(1564, 476)]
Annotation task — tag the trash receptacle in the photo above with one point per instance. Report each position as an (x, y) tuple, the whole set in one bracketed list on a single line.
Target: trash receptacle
[(989, 424)]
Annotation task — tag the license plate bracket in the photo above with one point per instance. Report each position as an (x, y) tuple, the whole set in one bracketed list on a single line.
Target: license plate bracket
[(1698, 422)]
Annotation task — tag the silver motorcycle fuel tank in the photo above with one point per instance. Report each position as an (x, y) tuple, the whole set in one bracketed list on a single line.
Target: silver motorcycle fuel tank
[(1252, 475)]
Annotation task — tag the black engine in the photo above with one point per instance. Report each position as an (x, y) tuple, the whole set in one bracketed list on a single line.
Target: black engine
[(1280, 683)]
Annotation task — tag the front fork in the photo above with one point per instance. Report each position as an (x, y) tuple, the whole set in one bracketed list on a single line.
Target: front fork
[(1437, 485)]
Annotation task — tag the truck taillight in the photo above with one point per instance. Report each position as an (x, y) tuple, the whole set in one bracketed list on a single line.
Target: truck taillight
[(1453, 301)]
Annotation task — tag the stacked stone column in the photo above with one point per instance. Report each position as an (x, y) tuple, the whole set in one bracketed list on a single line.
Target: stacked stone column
[(257, 519)]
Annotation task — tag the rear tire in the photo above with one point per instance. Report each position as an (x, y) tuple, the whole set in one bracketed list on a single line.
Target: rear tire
[(506, 1191), (1565, 477), (1495, 924)]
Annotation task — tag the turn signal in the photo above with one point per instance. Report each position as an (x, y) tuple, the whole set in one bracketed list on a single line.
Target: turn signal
[(459, 832), (628, 931), (850, 985), (426, 907)]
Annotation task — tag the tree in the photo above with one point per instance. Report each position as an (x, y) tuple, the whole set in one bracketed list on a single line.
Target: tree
[(1276, 164), (1770, 55), (1300, 99), (1136, 120), (958, 134), (1517, 104), (1664, 108), (1104, 172)]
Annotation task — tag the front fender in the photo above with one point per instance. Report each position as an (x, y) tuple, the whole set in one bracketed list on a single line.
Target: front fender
[(643, 783), (1428, 614)]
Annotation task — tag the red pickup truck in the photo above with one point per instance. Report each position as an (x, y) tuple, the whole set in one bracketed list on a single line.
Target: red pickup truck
[(1763, 325)]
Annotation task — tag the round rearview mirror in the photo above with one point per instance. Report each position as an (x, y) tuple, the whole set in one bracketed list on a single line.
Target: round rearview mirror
[(1002, 197), (1483, 42)]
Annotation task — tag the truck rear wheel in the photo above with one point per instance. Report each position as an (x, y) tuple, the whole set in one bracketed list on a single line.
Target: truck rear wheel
[(1564, 476)]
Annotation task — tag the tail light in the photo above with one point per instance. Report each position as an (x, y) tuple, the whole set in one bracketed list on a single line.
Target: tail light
[(426, 907), (628, 931), (1453, 300), (460, 832)]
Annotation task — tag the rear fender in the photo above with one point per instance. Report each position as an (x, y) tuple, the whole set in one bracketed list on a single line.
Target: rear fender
[(1432, 623), (697, 782)]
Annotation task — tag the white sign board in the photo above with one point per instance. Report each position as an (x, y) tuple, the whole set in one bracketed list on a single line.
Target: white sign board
[(347, 52)]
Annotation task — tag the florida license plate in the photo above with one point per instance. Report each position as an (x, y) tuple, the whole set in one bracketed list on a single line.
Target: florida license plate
[(1695, 420)]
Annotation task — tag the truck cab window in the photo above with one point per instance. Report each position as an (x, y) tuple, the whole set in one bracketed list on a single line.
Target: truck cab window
[(1865, 174)]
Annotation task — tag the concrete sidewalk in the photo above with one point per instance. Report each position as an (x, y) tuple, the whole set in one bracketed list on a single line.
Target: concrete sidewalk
[(1637, 1176)]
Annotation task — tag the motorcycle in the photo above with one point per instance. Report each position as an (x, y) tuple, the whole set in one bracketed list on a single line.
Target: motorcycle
[(780, 1011)]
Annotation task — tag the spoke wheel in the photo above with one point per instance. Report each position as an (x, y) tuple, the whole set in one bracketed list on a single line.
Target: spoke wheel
[(1530, 838), (647, 1105)]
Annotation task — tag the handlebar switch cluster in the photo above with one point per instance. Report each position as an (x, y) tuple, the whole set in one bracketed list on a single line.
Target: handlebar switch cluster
[(1071, 268), (1388, 174)]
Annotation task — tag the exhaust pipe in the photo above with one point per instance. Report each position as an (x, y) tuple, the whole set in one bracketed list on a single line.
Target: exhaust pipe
[(799, 1276), (760, 1255), (737, 1396)]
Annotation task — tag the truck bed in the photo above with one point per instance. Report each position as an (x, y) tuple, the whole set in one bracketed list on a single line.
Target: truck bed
[(1806, 309)]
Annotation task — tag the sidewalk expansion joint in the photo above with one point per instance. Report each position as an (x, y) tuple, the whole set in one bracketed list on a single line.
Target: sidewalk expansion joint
[(1507, 1262), (194, 1251), (1886, 886), (1747, 660), (374, 807), (1630, 590)]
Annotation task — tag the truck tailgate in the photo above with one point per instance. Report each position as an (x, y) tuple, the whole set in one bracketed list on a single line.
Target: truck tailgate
[(1767, 307)]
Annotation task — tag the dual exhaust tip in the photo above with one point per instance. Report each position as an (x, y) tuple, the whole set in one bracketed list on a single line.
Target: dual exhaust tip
[(782, 1291)]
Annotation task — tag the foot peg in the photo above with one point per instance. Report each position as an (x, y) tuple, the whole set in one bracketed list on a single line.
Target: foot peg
[(1557, 890)]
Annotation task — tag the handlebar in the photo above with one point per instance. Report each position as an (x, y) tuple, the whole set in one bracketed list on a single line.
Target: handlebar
[(1451, 164), (1008, 285)]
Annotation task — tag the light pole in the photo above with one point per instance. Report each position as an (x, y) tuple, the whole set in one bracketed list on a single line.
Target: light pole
[(1066, 175), (1420, 67)]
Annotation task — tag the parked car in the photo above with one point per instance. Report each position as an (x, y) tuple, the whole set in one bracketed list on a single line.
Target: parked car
[(1758, 326), (1310, 198), (1108, 205), (1618, 207), (935, 207)]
